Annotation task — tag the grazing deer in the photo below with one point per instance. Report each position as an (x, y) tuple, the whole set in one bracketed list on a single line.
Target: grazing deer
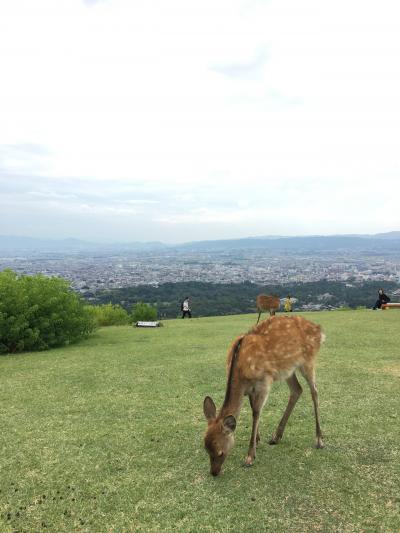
[(267, 303), (271, 351)]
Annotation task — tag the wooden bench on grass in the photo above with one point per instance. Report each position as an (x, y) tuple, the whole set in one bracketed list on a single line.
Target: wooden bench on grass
[(393, 305), (147, 324)]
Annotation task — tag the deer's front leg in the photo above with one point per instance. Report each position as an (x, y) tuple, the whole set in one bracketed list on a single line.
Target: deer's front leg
[(257, 398)]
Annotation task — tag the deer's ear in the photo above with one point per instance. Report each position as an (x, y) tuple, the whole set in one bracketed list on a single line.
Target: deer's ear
[(209, 409), (229, 423)]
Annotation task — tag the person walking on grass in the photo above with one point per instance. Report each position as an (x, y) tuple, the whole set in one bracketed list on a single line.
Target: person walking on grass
[(382, 299), (185, 308)]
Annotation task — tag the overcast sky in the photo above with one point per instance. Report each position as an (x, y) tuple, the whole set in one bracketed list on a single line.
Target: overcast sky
[(179, 120)]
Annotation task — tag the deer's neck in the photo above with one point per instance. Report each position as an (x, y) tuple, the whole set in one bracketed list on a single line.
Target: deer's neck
[(234, 393)]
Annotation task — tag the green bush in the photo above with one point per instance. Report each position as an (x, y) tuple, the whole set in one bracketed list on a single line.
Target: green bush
[(109, 314), (37, 313), (142, 311)]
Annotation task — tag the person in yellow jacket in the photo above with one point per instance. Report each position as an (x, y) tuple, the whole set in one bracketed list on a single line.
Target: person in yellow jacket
[(288, 304)]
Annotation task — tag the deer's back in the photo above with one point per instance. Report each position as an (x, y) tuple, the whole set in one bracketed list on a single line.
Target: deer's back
[(278, 346), (265, 302)]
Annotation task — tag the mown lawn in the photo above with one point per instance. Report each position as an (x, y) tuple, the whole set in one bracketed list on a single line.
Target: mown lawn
[(107, 435)]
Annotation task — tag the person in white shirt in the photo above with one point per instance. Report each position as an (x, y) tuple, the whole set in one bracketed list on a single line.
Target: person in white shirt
[(185, 308)]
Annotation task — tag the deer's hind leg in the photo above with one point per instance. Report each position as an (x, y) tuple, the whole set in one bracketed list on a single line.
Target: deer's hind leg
[(295, 393), (257, 398), (308, 372)]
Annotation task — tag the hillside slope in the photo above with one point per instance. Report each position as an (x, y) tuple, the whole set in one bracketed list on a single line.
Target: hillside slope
[(107, 435)]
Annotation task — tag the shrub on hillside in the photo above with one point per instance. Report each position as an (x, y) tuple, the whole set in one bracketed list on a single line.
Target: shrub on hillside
[(142, 311), (37, 313), (109, 314)]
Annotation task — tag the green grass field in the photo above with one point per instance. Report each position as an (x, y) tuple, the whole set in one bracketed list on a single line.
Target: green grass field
[(106, 436)]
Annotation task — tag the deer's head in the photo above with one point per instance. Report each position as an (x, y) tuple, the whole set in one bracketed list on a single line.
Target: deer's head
[(218, 440)]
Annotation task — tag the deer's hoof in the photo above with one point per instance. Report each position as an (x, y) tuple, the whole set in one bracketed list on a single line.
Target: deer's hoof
[(249, 461), (319, 444), (274, 440)]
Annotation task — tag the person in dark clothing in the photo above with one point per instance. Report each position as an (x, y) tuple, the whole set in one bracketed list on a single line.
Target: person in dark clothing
[(185, 308), (382, 299)]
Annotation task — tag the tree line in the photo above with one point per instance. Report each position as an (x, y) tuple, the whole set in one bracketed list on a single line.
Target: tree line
[(214, 299), (38, 312)]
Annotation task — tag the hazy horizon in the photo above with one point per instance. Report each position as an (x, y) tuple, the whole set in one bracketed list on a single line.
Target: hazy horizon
[(249, 237), (184, 121)]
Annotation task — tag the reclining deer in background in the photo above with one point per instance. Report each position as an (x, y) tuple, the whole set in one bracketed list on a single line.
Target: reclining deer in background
[(267, 303), (271, 351)]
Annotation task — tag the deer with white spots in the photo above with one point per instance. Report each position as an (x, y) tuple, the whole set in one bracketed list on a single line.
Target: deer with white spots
[(272, 351)]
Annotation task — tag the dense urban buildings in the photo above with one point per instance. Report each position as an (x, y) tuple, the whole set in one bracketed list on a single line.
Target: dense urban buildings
[(90, 272)]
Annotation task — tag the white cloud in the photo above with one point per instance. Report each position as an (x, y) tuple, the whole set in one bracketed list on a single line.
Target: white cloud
[(184, 104), (44, 195), (251, 69)]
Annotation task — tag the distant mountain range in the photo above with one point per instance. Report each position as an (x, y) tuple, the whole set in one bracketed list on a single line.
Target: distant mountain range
[(316, 243), (379, 243), (11, 243)]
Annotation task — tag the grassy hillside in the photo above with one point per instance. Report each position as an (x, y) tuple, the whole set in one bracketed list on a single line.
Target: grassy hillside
[(107, 435)]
